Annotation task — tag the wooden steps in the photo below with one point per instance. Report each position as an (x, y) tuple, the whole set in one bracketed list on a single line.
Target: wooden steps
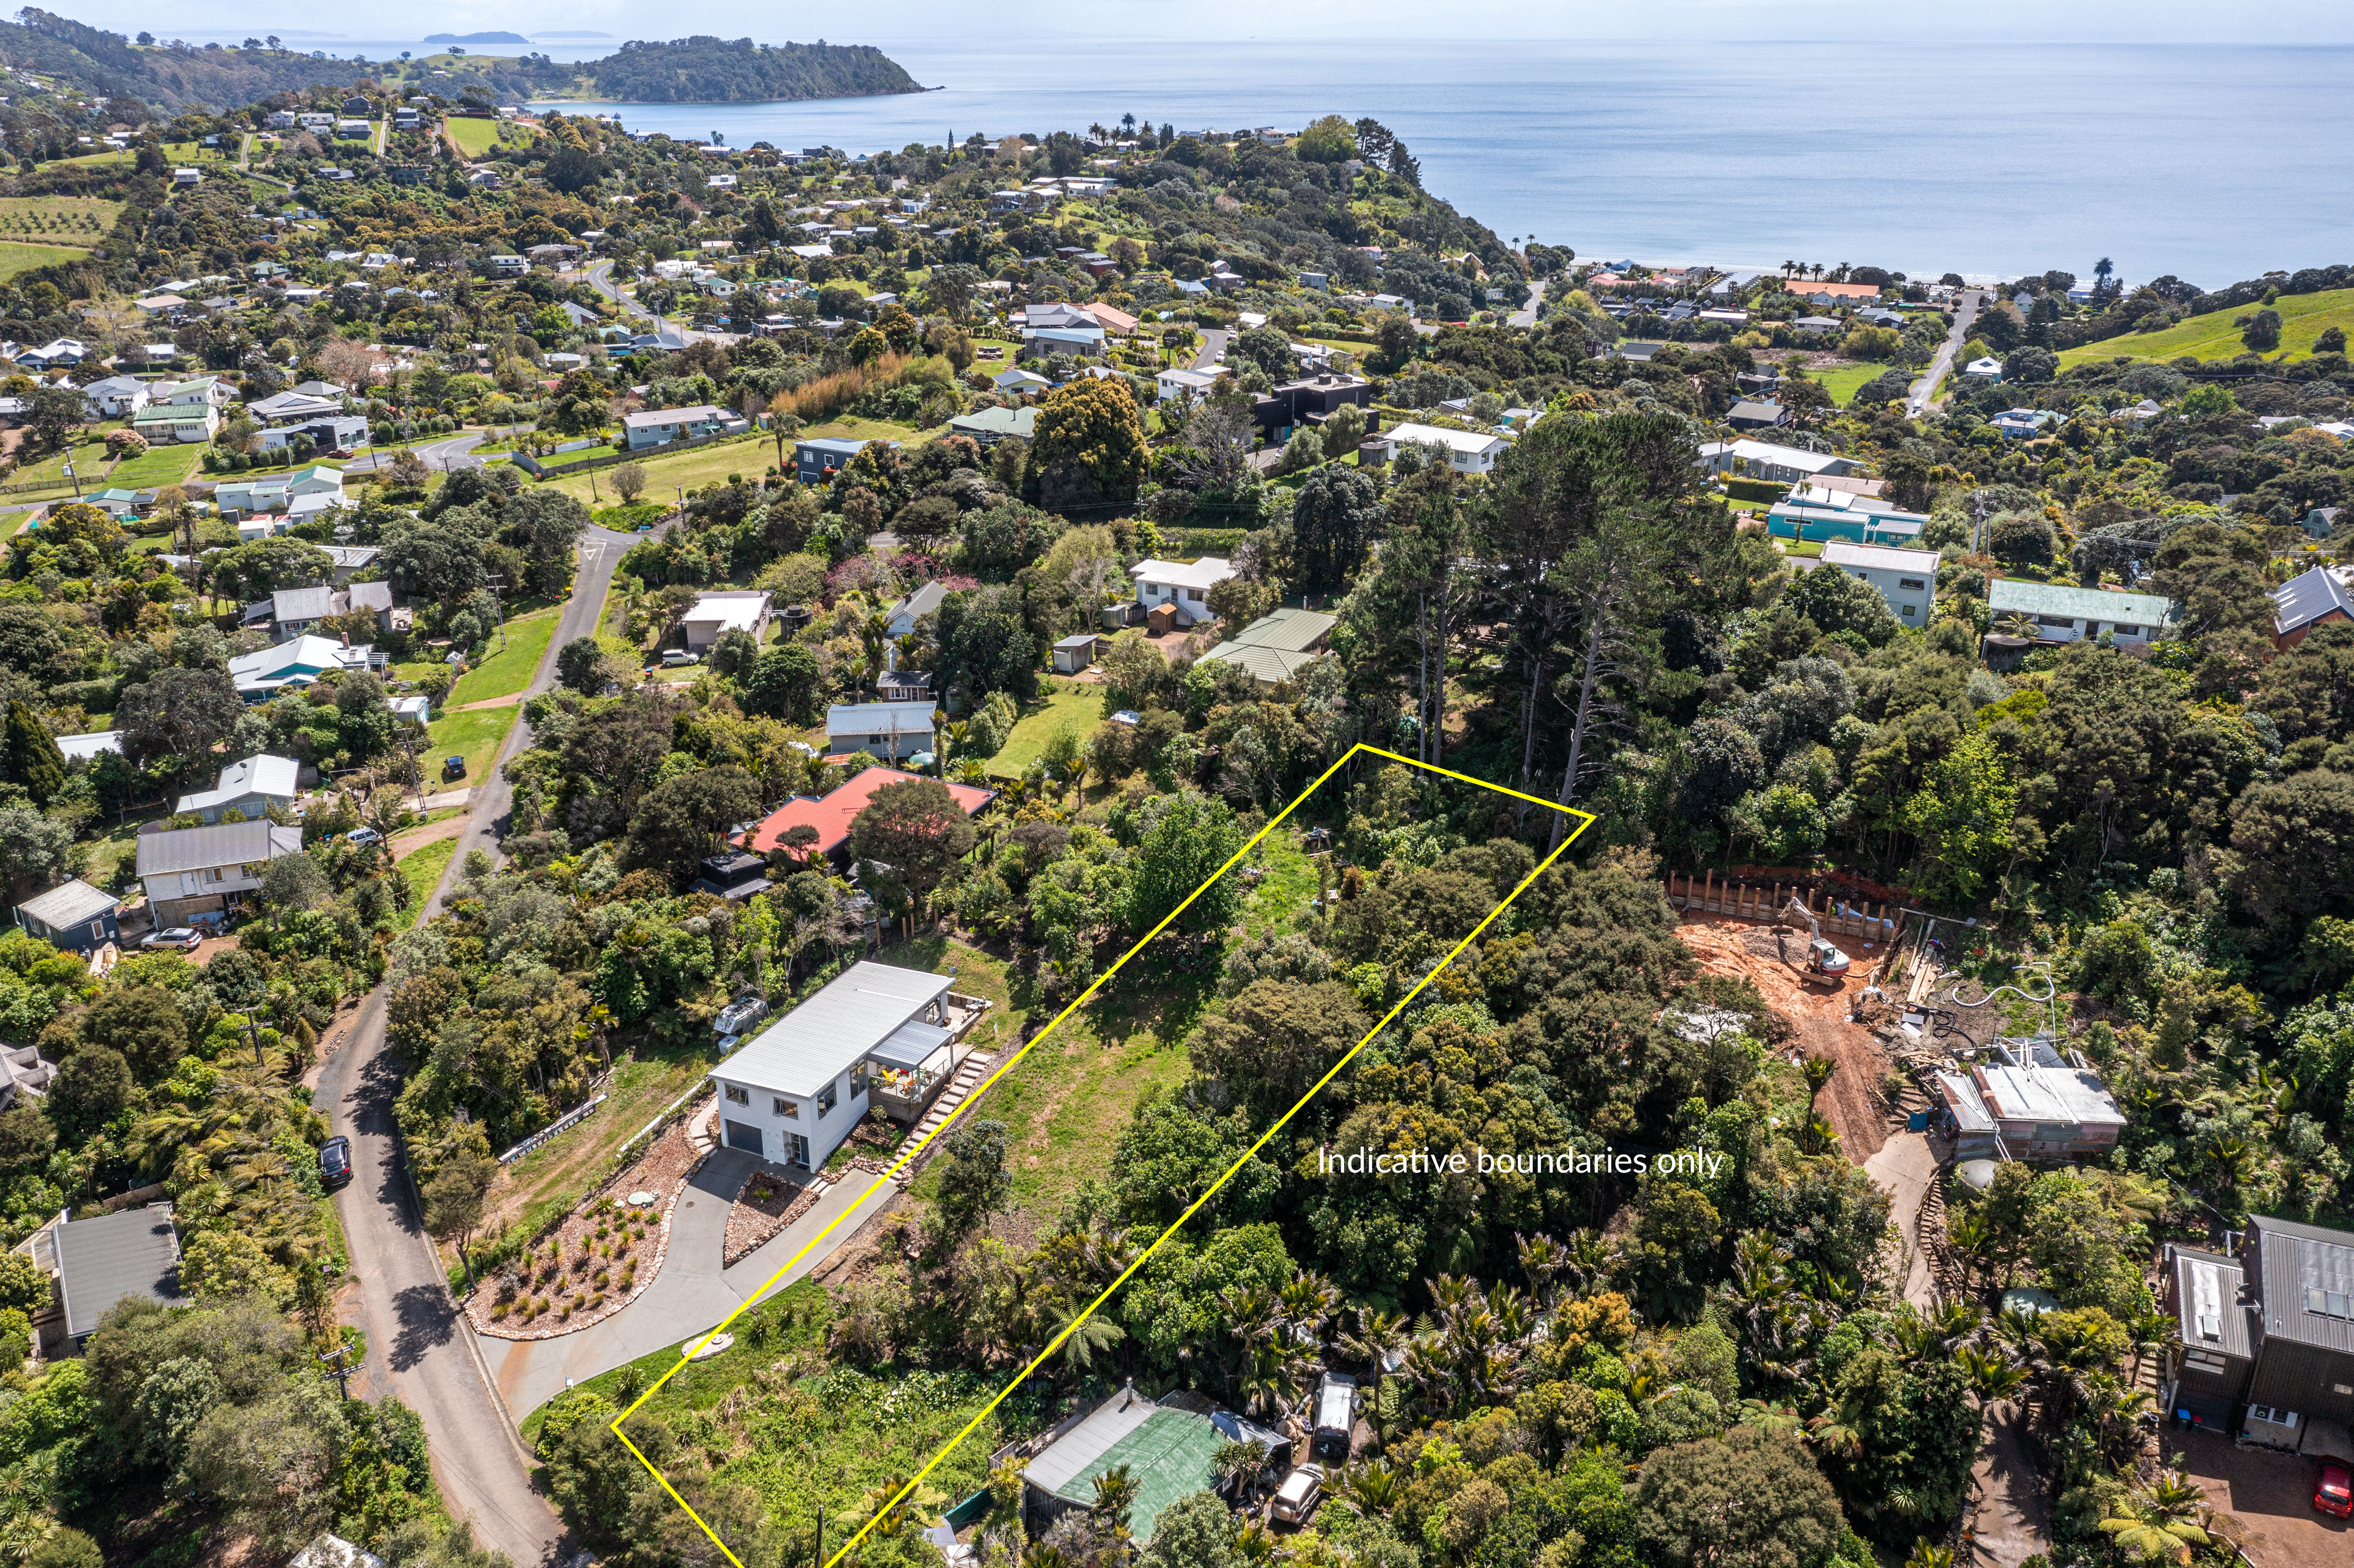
[(967, 1082)]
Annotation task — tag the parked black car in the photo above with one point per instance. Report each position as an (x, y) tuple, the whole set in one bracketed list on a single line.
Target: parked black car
[(335, 1161)]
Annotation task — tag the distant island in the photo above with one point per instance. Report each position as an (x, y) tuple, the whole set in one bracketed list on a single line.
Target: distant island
[(719, 70), (683, 70)]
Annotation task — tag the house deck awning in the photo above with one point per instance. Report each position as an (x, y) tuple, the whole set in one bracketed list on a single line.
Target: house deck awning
[(910, 1046)]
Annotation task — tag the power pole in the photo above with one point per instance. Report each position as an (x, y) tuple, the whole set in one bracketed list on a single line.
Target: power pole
[(339, 1372)]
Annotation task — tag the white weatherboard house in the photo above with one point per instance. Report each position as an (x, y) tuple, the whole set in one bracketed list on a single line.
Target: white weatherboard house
[(1183, 586), (723, 610), (891, 731), (196, 871), (1907, 579), (249, 788), (792, 1095), (1468, 451)]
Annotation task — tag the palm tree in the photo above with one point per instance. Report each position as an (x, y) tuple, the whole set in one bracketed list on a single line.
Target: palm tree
[(2167, 1518), (1238, 1465), (1379, 1335), (1085, 1339), (2101, 270), (1115, 1495), (1254, 1543), (1928, 1554), (1369, 1488), (1819, 1070)]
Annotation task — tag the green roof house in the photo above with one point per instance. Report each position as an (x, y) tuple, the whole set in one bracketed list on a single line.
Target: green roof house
[(1168, 1448), (1276, 647), (2064, 614)]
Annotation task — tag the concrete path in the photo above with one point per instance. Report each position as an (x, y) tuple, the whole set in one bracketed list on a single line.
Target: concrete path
[(1905, 1167), (2007, 1521), (1916, 401), (419, 1346), (693, 1294)]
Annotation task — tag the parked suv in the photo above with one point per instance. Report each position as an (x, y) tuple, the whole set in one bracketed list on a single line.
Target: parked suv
[(1299, 1495)]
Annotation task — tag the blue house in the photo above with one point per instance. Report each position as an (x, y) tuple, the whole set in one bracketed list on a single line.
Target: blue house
[(818, 460), (74, 918)]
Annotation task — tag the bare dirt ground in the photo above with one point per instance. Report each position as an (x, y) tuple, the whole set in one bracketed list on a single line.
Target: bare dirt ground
[(1818, 1009), (2266, 1498)]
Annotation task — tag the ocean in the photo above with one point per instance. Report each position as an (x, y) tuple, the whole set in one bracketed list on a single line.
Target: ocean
[(2210, 161)]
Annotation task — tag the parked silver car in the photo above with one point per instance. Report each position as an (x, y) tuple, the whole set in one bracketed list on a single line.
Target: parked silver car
[(1297, 1496)]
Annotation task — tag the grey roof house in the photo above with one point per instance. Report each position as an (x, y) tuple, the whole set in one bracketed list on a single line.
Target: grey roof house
[(99, 1262), (73, 918)]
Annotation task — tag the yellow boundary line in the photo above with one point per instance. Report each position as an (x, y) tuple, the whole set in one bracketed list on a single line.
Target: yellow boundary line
[(880, 1514)]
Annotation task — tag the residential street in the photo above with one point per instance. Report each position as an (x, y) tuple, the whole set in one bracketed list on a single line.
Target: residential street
[(1214, 344), (600, 277), (418, 1345), (1526, 316), (1916, 402), (450, 452)]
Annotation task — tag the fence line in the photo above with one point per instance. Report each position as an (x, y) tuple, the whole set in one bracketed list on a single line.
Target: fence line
[(1751, 901), (564, 1123)]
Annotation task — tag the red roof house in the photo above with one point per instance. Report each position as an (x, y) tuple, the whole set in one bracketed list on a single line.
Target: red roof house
[(830, 814)]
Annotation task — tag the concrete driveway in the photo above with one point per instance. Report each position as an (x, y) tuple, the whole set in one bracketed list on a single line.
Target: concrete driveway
[(692, 1293)]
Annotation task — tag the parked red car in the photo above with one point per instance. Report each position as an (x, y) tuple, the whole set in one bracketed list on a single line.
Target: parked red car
[(2333, 1489)]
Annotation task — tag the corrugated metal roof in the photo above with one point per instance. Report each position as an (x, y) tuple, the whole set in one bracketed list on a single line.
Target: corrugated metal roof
[(1168, 1450), (878, 718), (261, 775), (1271, 665), (2077, 603), (2209, 1291), (1288, 630), (816, 1043), (229, 844), (1883, 557), (67, 903), (2308, 595), (2308, 1282), (101, 1261)]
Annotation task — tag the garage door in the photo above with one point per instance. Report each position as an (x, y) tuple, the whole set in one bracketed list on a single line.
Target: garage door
[(747, 1139)]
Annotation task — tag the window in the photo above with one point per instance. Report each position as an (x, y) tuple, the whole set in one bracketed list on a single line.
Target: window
[(738, 1094), (98, 929), (825, 1100), (2062, 622), (857, 1080), (1908, 609), (1910, 583), (2124, 631), (785, 1107)]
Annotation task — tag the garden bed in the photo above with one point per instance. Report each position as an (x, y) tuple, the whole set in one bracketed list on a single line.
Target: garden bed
[(765, 1205), (598, 1260)]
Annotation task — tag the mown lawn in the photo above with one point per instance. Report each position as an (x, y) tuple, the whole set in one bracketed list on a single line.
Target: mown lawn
[(2303, 317), (509, 669), (1065, 705), (155, 466), (475, 138), (750, 456), (421, 868), (475, 736), (1843, 382)]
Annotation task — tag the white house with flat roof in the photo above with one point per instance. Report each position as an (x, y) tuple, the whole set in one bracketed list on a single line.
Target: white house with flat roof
[(1772, 460), (1468, 451), (724, 611), (892, 731), (1181, 588), (1907, 579), (792, 1095)]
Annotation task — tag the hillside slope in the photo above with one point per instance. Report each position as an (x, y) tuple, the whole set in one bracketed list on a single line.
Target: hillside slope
[(719, 70)]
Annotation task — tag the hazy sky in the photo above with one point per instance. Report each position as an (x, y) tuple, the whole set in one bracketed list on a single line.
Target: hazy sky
[(886, 21)]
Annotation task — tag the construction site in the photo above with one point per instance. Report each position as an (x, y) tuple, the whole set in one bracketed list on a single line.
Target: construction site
[(1935, 1077)]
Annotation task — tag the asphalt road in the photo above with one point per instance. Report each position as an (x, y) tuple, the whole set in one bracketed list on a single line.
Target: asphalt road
[(418, 1346), (453, 452), (1214, 344), (600, 277), (1526, 316), (1916, 402)]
